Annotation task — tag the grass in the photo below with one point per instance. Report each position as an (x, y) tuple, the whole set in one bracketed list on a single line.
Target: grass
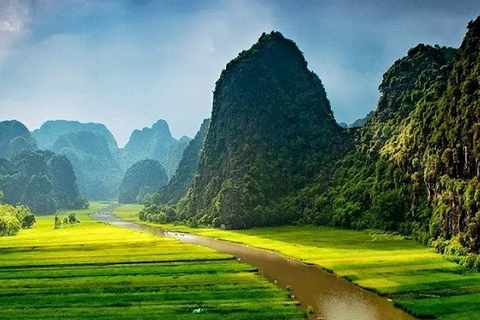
[(94, 270), (418, 279)]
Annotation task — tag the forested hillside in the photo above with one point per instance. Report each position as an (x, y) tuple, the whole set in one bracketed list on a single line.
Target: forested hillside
[(271, 128), (144, 177), (273, 153), (42, 180), (369, 187), (414, 167), (14, 137)]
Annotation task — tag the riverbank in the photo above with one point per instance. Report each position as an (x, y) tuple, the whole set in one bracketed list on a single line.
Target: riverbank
[(415, 277), (93, 270)]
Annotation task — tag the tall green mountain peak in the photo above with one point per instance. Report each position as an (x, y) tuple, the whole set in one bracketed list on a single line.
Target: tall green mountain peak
[(271, 127)]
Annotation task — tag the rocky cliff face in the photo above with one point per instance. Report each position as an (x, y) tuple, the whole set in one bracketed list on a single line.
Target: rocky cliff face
[(454, 188), (183, 178)]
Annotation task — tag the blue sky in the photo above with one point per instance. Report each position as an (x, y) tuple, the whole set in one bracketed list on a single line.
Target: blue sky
[(130, 63)]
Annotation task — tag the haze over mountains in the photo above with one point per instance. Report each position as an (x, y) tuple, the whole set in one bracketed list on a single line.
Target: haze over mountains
[(14, 137), (154, 143), (98, 162), (272, 152)]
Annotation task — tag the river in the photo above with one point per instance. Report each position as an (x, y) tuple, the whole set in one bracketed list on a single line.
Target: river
[(331, 297)]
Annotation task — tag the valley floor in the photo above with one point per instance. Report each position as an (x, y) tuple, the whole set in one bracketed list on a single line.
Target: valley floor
[(415, 277), (93, 270)]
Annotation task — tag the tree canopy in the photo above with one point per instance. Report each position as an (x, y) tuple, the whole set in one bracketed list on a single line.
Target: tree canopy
[(12, 219), (42, 180)]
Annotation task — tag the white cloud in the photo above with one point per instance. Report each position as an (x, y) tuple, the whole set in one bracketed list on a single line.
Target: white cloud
[(128, 82), (14, 17), (127, 66), (212, 39)]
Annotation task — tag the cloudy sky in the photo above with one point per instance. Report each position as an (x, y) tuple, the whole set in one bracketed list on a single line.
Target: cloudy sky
[(129, 63)]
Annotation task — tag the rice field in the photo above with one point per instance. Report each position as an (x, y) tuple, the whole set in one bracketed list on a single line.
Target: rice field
[(92, 270), (414, 276)]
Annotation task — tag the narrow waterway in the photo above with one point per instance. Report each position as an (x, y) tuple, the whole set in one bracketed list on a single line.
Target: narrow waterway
[(331, 297)]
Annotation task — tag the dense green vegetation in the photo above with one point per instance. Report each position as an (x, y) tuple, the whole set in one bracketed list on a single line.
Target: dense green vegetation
[(97, 271), (271, 127), (370, 188), (144, 177), (183, 178), (42, 180), (14, 137), (97, 170), (418, 279), (12, 219), (273, 153), (413, 167)]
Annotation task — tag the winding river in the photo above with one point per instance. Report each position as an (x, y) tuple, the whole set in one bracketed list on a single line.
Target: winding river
[(331, 297)]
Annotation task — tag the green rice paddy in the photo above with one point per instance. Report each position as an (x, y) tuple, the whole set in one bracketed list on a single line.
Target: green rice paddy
[(92, 270), (414, 276)]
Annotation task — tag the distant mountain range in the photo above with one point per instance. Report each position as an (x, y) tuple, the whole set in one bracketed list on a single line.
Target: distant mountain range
[(98, 162), (272, 152), (14, 136)]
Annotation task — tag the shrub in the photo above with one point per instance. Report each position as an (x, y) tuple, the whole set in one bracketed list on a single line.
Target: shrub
[(28, 220), (12, 219), (476, 265), (72, 218), (9, 225), (469, 261)]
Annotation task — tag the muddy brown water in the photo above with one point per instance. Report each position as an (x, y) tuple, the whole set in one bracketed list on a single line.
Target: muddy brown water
[(331, 297)]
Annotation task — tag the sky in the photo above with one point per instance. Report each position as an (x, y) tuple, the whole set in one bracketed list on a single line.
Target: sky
[(129, 63)]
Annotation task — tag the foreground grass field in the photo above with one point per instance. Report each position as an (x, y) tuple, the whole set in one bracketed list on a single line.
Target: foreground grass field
[(96, 271), (418, 279)]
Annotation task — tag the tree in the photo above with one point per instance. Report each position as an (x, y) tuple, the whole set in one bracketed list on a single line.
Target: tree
[(58, 222), (28, 221), (19, 186), (9, 225), (12, 219), (72, 218)]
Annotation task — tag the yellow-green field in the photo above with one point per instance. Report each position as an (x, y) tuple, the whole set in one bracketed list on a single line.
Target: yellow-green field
[(417, 278), (96, 271)]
